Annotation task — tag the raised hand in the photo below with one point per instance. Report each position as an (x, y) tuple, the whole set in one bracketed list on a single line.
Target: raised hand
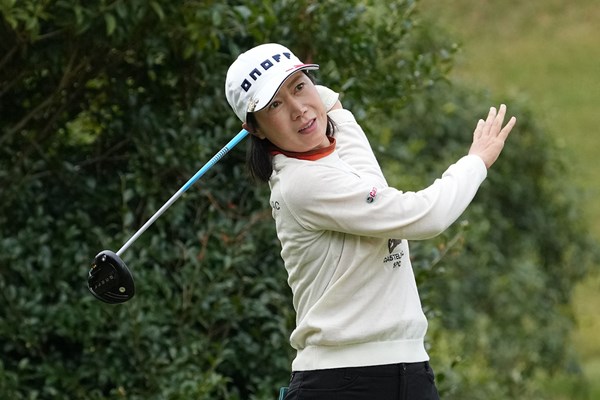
[(489, 135)]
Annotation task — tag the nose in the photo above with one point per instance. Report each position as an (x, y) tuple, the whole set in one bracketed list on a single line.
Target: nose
[(297, 108)]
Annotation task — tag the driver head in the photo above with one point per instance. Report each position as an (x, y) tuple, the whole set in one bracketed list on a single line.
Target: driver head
[(109, 279)]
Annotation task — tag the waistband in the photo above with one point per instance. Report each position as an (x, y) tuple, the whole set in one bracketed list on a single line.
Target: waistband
[(371, 370), (356, 355)]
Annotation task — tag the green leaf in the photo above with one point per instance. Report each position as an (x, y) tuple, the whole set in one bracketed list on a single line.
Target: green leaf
[(111, 23), (158, 9)]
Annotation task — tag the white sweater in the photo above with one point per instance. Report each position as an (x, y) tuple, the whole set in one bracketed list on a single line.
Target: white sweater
[(344, 235)]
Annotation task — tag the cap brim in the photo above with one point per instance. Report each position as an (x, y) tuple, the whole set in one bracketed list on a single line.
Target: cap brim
[(268, 92)]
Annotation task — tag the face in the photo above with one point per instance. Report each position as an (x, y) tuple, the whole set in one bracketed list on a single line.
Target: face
[(296, 119)]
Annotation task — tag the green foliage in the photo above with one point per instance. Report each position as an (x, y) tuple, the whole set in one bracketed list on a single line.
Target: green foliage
[(108, 108), (499, 283)]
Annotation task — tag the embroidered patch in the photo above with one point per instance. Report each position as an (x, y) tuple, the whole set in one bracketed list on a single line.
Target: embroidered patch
[(372, 194)]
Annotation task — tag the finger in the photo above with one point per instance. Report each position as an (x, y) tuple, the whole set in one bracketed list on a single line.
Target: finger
[(498, 120), (507, 128), (489, 121), (478, 129)]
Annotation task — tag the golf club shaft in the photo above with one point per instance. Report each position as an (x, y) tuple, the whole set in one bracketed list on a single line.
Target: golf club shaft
[(232, 143)]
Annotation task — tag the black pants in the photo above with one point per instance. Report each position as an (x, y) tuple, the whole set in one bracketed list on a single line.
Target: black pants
[(406, 381)]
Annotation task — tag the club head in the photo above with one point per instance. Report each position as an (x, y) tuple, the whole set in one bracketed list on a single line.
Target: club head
[(109, 279)]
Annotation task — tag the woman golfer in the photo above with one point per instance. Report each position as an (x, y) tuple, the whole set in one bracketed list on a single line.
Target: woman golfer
[(344, 232)]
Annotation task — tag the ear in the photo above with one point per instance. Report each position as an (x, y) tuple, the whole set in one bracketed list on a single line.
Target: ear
[(253, 131)]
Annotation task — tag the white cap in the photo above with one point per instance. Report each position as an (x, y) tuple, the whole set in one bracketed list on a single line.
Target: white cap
[(256, 75)]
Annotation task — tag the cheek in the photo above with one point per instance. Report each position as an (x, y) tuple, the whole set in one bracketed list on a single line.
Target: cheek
[(323, 121), (265, 126), (275, 131)]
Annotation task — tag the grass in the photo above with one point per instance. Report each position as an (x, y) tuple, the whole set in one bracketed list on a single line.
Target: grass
[(547, 52)]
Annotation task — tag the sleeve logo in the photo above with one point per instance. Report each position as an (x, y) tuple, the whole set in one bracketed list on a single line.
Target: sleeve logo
[(372, 194)]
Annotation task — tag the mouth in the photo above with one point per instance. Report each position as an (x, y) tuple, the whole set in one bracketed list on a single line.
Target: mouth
[(309, 127)]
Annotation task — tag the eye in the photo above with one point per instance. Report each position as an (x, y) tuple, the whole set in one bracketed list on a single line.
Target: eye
[(274, 104), (300, 86)]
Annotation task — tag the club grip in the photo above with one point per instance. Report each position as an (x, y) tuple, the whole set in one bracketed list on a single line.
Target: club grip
[(215, 159)]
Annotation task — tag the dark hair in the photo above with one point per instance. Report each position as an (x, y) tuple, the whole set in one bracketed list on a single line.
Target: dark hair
[(258, 156)]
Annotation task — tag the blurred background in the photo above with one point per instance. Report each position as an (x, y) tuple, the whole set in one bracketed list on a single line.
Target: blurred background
[(547, 53), (108, 107)]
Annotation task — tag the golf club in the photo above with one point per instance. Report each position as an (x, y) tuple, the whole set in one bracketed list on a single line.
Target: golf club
[(109, 278)]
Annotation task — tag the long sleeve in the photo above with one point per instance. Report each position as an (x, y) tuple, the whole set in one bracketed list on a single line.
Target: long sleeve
[(334, 199)]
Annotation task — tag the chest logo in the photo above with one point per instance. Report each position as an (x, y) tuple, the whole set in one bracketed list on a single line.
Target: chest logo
[(395, 258)]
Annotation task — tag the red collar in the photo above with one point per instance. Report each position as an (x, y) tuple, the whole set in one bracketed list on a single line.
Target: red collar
[(312, 155)]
